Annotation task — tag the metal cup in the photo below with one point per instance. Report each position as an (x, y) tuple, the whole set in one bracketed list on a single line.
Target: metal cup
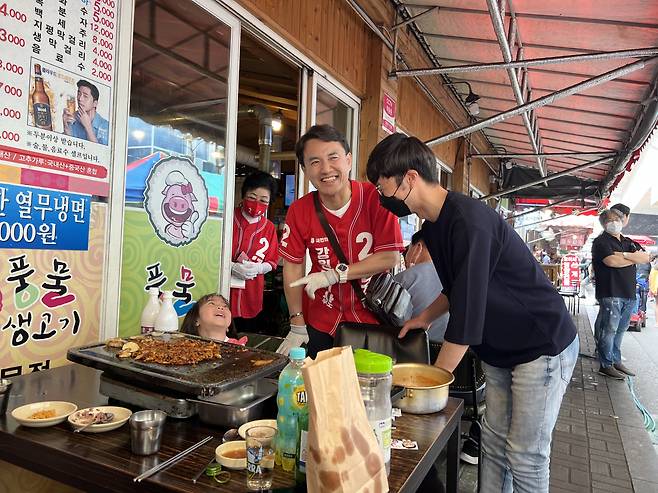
[(146, 431), (5, 390)]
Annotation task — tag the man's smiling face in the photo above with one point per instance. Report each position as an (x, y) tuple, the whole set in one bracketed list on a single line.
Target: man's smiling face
[(327, 165)]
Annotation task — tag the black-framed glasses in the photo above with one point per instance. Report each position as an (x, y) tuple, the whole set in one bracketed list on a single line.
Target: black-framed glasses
[(379, 188)]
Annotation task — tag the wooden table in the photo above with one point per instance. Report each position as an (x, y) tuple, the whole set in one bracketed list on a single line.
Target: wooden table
[(103, 462)]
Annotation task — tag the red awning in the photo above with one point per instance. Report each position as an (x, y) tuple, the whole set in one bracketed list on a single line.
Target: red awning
[(642, 240)]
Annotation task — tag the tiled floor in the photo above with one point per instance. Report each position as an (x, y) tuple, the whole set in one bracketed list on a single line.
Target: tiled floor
[(599, 443)]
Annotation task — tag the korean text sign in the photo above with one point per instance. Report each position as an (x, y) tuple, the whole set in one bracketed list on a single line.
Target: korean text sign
[(57, 71), (50, 301), (41, 219)]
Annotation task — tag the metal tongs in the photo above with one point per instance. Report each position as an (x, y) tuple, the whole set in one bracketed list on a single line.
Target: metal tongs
[(172, 461)]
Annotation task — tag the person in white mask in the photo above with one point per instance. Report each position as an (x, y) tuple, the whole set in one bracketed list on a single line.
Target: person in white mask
[(614, 258)]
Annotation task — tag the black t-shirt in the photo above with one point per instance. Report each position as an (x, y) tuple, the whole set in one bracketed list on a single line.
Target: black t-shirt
[(613, 282), (501, 302)]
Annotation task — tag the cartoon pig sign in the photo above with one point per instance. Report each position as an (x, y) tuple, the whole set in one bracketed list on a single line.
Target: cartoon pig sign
[(176, 200)]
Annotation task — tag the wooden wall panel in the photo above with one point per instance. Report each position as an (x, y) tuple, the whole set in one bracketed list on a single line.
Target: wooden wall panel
[(417, 115), (328, 31), (480, 176)]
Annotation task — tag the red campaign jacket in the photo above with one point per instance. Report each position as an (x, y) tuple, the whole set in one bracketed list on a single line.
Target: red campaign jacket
[(365, 228), (259, 242)]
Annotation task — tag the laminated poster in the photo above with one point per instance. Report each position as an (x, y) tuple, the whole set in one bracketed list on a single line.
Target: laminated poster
[(57, 68)]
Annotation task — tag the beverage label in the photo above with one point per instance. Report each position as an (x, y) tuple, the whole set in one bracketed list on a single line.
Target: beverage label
[(146, 330), (42, 116), (299, 398), (382, 429), (301, 462)]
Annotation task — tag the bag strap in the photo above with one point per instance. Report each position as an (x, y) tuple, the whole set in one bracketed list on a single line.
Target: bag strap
[(356, 285)]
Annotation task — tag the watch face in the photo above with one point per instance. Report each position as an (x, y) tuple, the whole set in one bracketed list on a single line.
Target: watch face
[(341, 268)]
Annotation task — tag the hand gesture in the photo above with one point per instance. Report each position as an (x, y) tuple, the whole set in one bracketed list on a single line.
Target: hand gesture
[(315, 281), (413, 323)]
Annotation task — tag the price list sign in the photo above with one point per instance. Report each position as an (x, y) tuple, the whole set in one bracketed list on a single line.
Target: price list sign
[(57, 69)]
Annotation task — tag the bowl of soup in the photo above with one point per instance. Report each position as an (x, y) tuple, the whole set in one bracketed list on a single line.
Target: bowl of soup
[(232, 455), (426, 387)]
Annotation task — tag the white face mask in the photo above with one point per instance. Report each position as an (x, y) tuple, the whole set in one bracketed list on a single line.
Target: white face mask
[(614, 227)]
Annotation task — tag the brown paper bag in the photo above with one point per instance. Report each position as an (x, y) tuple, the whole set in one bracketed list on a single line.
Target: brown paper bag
[(343, 455)]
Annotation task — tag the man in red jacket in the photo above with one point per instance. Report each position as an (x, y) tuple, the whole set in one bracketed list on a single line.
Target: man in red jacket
[(368, 234)]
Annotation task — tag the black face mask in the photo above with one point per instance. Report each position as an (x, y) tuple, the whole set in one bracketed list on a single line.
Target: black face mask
[(395, 205)]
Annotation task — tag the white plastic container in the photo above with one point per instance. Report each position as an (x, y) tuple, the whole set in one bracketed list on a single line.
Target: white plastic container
[(167, 319), (151, 311)]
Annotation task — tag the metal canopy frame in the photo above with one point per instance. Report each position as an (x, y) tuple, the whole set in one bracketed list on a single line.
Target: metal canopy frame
[(464, 41), (538, 103)]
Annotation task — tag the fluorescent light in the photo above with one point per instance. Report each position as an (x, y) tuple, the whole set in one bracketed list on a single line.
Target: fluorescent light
[(139, 134)]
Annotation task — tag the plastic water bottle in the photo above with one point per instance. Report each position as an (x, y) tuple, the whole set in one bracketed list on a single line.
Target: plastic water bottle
[(374, 373), (167, 319), (151, 310), (291, 401)]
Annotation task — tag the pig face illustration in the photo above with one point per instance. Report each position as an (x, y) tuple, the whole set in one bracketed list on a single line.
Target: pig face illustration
[(176, 200), (178, 205)]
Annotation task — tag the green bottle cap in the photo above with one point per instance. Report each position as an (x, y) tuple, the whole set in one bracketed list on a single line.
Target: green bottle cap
[(368, 362)]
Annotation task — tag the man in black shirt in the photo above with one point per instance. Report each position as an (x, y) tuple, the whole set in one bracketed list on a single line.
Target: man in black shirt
[(500, 303), (614, 258)]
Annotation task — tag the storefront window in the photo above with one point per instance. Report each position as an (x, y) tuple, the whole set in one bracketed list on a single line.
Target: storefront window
[(175, 187), (329, 110)]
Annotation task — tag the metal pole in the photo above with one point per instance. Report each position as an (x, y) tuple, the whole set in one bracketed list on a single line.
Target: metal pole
[(543, 101), (543, 154), (549, 177), (559, 233), (414, 18), (554, 218), (499, 28), (533, 62)]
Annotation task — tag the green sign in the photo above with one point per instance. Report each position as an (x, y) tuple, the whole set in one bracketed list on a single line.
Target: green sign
[(189, 271)]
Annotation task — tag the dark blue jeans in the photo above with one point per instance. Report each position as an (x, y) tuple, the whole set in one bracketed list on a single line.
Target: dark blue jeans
[(611, 324)]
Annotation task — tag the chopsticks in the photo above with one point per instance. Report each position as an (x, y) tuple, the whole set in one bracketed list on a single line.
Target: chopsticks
[(171, 461)]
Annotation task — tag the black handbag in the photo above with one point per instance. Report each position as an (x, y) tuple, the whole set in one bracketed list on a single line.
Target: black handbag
[(388, 299), (382, 339), (384, 296)]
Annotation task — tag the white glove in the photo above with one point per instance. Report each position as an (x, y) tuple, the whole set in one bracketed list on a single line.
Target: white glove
[(244, 270), (295, 338), (315, 281), (261, 267), (188, 228)]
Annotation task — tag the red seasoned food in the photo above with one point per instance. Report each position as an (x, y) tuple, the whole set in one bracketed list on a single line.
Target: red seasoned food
[(176, 351)]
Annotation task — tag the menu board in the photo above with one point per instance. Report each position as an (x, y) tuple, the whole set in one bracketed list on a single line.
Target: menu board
[(57, 68)]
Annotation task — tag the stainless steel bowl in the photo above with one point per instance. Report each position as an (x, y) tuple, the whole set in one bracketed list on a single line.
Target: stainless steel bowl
[(426, 387), (237, 406)]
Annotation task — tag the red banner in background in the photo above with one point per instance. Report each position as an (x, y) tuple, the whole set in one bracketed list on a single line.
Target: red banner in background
[(570, 273)]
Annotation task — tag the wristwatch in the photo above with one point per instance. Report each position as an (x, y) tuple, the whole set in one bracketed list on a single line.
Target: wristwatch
[(342, 269)]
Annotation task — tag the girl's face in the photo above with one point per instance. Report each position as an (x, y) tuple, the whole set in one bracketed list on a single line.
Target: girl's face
[(214, 318)]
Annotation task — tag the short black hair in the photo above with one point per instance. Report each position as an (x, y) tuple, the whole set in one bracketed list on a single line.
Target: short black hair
[(325, 133), (417, 237), (259, 179), (397, 154), (94, 90), (624, 209)]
